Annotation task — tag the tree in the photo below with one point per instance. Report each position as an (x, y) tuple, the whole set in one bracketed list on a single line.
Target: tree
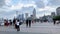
[(56, 18)]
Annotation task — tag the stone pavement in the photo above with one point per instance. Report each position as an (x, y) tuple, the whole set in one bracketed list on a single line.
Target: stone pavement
[(35, 28)]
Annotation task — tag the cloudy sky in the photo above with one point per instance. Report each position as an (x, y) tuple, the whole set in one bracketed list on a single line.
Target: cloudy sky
[(8, 8)]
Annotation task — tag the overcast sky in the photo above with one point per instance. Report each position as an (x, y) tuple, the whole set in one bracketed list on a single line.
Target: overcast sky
[(8, 8)]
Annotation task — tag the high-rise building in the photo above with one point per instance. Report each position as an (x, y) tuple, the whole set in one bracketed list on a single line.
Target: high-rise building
[(1, 20), (58, 11), (26, 15), (53, 14), (20, 17), (34, 13)]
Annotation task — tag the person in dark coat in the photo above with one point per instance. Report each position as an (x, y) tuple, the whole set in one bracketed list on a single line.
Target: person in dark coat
[(10, 22), (54, 22), (14, 23), (28, 22)]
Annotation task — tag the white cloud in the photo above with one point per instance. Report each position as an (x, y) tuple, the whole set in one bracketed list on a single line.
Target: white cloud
[(15, 7), (29, 5), (19, 5), (47, 8), (8, 2), (45, 2), (2, 3), (10, 16), (54, 2), (39, 15), (39, 5)]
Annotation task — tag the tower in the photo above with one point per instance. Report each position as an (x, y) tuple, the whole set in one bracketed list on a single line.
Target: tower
[(34, 13), (58, 11), (26, 15)]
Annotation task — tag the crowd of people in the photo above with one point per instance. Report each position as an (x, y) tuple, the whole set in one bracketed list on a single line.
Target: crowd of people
[(16, 23)]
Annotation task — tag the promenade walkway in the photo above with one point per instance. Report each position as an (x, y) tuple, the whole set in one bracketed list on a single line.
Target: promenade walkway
[(35, 28)]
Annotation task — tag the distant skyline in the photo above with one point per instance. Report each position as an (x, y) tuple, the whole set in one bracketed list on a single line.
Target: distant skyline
[(8, 8)]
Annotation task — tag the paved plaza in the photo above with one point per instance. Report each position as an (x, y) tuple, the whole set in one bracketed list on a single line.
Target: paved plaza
[(36, 28)]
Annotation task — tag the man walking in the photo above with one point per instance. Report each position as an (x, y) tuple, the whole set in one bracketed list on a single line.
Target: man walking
[(28, 22)]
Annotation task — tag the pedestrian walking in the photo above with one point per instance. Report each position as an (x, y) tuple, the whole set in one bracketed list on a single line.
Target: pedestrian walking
[(54, 22), (27, 23), (14, 23), (10, 22), (17, 25)]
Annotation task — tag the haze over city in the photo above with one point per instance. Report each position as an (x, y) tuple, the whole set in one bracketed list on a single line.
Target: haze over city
[(8, 8), (29, 16)]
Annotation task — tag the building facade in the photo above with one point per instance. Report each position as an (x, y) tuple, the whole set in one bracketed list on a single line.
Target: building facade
[(26, 15), (34, 13), (58, 11), (53, 14), (20, 17)]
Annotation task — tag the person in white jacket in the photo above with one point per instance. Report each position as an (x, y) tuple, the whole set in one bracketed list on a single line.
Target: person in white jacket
[(17, 25)]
